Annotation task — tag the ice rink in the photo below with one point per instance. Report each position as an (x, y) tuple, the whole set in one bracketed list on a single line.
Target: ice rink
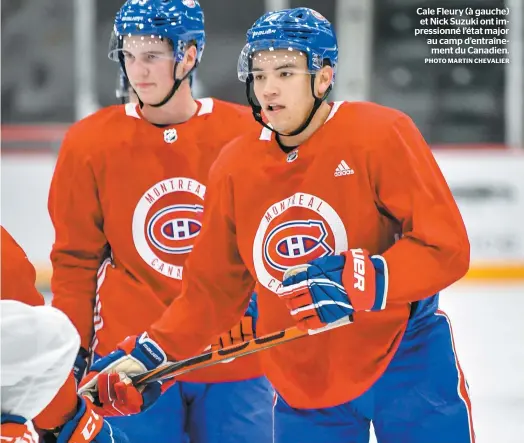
[(489, 337)]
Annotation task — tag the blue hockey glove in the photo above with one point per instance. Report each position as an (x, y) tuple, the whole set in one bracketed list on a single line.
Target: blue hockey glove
[(333, 287)]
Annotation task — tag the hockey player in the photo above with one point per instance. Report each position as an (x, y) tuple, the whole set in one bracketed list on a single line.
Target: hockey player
[(351, 194), (39, 346), (126, 201)]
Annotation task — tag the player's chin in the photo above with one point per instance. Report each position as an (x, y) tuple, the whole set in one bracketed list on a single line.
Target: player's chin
[(284, 128), (149, 98), (279, 124)]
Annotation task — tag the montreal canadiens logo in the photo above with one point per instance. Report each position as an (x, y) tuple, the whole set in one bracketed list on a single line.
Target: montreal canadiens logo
[(173, 229), (296, 241), (166, 222), (293, 232)]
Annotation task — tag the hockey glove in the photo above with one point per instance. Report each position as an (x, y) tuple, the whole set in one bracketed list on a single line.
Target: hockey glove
[(17, 429), (87, 426), (108, 385), (80, 365), (243, 331), (333, 287)]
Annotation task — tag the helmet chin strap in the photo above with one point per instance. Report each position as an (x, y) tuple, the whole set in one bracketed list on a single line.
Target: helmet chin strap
[(257, 109), (176, 84)]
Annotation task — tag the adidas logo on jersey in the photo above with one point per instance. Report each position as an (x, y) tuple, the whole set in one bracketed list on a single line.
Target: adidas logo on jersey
[(343, 169)]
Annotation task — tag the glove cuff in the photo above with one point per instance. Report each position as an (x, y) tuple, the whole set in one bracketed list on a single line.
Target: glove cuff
[(365, 280), (145, 350), (83, 426)]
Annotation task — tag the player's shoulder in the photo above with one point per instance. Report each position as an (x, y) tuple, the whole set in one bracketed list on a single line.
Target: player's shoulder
[(99, 119), (233, 117), (224, 107), (9, 243), (366, 124), (245, 147), (225, 121), (367, 114), (96, 131)]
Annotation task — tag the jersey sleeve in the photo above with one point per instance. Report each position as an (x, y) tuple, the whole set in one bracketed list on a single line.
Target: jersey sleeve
[(433, 251), (80, 243), (61, 409), (216, 285), (18, 274)]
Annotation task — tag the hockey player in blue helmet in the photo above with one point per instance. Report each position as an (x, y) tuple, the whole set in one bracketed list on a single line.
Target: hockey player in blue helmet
[(308, 43), (162, 30), (417, 391), (118, 257)]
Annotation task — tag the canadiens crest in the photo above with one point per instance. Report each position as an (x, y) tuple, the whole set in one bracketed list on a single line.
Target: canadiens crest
[(166, 222), (174, 228), (293, 232), (296, 241), (170, 135)]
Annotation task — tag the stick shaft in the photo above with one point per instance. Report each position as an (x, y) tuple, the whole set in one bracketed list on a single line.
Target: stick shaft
[(175, 369)]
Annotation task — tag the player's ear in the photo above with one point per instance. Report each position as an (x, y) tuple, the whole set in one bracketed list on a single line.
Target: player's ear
[(323, 80), (190, 58)]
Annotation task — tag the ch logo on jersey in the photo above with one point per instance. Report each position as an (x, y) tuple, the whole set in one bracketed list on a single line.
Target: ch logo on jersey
[(294, 231), (163, 227), (174, 229), (296, 241)]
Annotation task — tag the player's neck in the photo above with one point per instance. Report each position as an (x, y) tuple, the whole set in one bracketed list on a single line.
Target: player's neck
[(179, 109), (318, 120)]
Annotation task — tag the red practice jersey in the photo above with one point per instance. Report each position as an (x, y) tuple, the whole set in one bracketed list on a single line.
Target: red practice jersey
[(365, 179), (18, 283), (126, 201), (18, 274)]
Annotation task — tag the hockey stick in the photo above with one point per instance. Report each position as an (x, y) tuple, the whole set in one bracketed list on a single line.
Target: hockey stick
[(175, 369), (171, 370)]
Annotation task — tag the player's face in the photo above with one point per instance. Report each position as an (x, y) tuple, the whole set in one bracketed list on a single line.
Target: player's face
[(282, 85), (149, 65)]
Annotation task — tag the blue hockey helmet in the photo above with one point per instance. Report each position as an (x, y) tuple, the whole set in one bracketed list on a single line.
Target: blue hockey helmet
[(181, 22), (300, 29)]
